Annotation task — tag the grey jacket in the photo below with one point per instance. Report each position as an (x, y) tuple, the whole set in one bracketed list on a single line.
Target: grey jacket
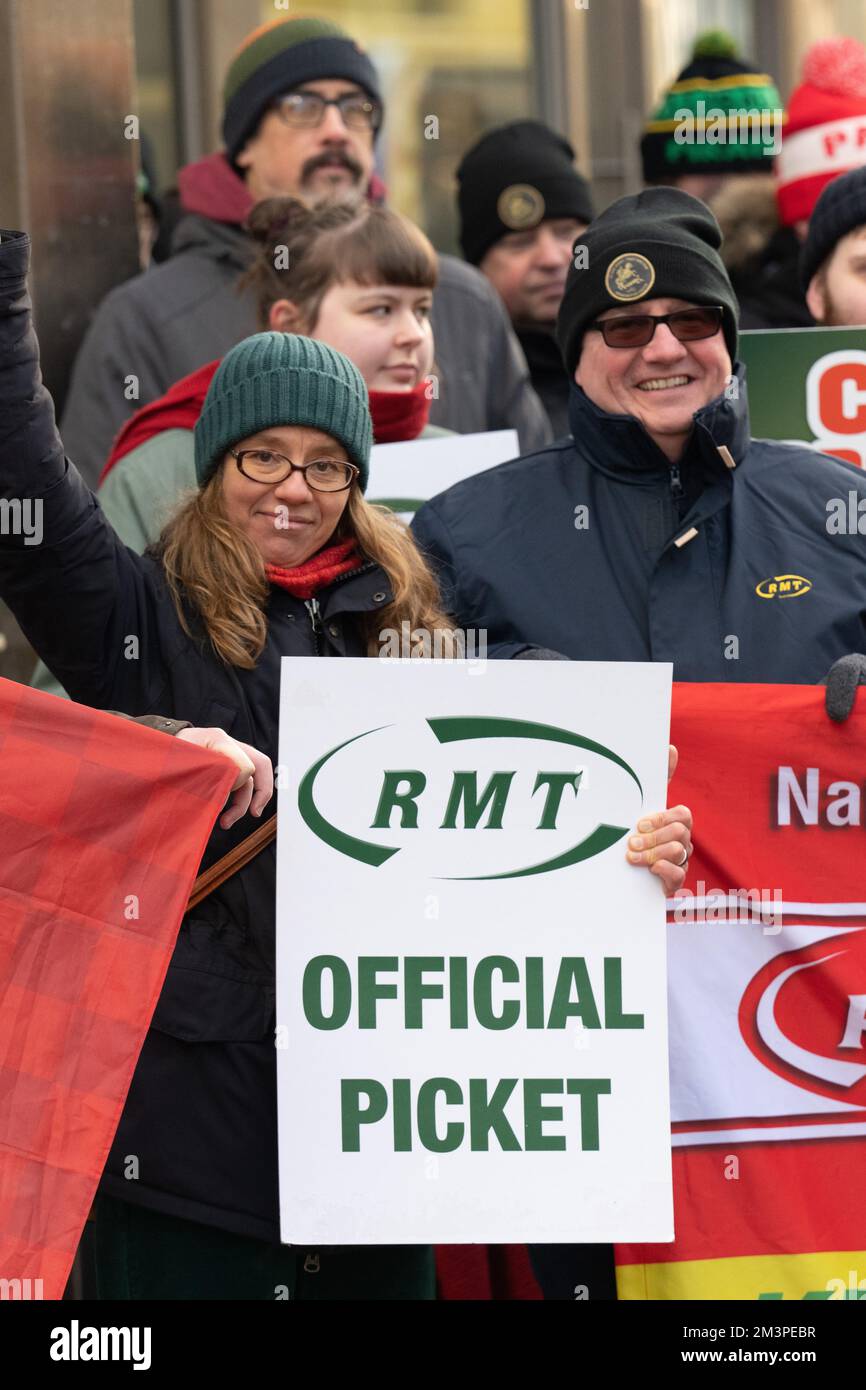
[(167, 322)]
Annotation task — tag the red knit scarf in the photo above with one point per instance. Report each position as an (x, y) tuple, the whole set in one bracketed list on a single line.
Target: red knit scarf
[(319, 571), (399, 415)]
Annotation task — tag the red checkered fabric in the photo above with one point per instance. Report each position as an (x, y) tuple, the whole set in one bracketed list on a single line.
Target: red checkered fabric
[(102, 827)]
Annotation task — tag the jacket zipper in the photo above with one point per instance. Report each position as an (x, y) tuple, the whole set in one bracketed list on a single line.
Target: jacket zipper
[(677, 489), (312, 607), (341, 579), (312, 604)]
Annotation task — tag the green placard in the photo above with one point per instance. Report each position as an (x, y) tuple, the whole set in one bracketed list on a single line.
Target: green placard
[(809, 385)]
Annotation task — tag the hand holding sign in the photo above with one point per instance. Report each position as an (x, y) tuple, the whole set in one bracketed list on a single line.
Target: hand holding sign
[(663, 839)]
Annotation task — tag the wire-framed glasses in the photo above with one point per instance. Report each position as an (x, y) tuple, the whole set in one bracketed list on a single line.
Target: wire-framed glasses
[(303, 108)]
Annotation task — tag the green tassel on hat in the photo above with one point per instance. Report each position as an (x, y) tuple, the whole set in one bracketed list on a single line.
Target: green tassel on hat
[(715, 43)]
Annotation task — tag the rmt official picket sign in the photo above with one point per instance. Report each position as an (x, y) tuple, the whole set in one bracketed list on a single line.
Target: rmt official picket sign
[(471, 1015)]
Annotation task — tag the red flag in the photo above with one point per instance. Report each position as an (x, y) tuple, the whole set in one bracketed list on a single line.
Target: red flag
[(767, 992), (102, 827), (767, 987)]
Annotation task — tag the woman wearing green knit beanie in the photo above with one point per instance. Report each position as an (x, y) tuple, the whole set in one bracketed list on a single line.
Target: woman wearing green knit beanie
[(280, 378), (276, 554), (282, 455)]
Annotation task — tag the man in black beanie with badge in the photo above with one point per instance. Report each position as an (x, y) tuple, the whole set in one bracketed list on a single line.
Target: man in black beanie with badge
[(656, 531), (661, 531), (522, 203)]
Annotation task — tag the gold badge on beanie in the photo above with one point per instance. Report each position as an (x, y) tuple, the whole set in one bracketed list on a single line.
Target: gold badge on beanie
[(629, 276), (520, 206)]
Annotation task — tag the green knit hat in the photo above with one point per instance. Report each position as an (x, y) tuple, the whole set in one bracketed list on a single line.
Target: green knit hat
[(281, 55), (703, 123), (275, 379)]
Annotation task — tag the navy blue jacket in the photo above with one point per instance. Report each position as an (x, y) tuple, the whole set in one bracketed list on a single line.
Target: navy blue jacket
[(201, 1113), (597, 548)]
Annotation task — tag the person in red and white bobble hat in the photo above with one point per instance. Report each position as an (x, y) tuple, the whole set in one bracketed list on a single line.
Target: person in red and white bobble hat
[(824, 136)]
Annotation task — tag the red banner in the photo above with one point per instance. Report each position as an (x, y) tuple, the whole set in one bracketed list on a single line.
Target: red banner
[(102, 827), (767, 987)]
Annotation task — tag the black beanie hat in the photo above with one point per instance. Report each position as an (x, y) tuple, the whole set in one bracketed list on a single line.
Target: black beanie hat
[(840, 208), (659, 244), (516, 177), (714, 81)]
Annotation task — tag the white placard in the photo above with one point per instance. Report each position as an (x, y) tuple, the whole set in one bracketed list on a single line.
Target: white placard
[(404, 476), (465, 824)]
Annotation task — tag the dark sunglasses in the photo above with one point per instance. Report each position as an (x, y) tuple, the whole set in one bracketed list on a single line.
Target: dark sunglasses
[(636, 330)]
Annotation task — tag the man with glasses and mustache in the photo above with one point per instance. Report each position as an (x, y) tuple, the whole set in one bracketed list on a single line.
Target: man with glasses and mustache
[(661, 531), (303, 109)]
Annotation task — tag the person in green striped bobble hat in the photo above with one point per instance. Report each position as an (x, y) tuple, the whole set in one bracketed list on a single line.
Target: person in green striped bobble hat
[(286, 425), (721, 117)]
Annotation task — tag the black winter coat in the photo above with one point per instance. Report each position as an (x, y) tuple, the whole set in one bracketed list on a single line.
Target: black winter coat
[(768, 289), (201, 1113), (549, 377), (599, 549)]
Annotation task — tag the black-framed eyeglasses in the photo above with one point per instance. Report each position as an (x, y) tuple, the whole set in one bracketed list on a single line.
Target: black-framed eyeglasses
[(306, 109), (322, 475), (636, 330)]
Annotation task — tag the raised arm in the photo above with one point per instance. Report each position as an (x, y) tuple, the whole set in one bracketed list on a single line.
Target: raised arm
[(76, 591), (31, 449)]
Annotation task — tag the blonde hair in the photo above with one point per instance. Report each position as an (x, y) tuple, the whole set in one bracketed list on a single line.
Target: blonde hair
[(213, 570)]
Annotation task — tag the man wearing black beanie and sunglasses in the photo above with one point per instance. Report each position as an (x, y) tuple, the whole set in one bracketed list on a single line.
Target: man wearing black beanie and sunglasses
[(660, 531)]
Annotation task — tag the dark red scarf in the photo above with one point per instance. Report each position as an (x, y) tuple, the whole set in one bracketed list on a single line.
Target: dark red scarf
[(303, 581), (399, 415)]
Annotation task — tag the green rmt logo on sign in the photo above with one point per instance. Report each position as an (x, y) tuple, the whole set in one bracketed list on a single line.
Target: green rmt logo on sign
[(468, 807)]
